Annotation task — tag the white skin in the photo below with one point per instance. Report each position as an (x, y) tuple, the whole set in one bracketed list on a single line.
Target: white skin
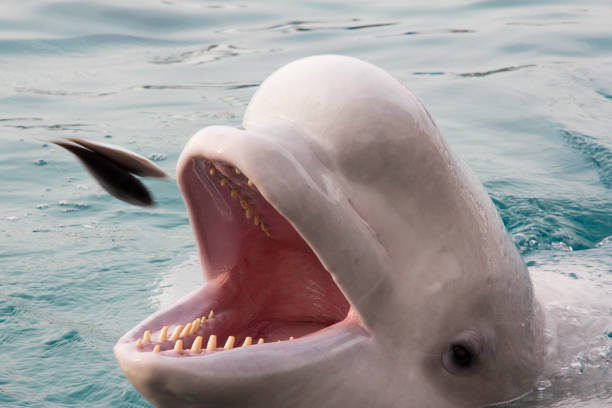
[(356, 164)]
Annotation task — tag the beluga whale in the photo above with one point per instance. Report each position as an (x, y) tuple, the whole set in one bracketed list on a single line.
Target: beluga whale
[(350, 259)]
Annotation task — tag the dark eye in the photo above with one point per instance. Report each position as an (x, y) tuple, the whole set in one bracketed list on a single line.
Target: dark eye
[(464, 353), (461, 356)]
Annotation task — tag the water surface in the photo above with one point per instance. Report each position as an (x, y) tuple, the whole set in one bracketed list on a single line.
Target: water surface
[(522, 91)]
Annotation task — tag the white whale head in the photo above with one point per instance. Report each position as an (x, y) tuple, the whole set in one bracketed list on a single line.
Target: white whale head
[(338, 215)]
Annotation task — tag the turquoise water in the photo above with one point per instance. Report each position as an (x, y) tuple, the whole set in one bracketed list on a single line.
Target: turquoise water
[(521, 90)]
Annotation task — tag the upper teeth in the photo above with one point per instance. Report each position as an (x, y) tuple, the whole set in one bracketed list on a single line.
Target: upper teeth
[(226, 180)]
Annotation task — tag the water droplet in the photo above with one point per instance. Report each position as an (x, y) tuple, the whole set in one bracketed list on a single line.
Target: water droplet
[(157, 157), (562, 246), (604, 242)]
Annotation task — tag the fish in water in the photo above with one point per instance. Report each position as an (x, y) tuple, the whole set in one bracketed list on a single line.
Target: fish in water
[(114, 168)]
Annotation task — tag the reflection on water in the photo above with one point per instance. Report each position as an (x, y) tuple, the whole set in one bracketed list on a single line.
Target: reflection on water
[(521, 90)]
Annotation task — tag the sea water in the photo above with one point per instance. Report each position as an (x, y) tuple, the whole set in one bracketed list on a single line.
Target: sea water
[(522, 91)]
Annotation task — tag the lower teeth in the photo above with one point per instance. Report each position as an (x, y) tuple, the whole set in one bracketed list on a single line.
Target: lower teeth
[(189, 329)]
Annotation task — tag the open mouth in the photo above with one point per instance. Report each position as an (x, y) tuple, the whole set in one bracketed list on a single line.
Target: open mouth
[(263, 281), (280, 259)]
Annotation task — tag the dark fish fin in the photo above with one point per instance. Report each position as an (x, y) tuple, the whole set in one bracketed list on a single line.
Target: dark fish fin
[(113, 178), (129, 161)]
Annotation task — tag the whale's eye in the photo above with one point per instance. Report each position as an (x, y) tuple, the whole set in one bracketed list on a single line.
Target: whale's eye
[(462, 357), (463, 354)]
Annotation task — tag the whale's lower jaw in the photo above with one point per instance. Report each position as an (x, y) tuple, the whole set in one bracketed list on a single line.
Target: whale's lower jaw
[(272, 374), (269, 307), (243, 376)]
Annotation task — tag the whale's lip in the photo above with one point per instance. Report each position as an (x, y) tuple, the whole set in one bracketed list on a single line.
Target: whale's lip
[(239, 365), (263, 281)]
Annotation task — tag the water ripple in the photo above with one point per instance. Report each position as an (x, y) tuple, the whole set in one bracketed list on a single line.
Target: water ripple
[(540, 24), (476, 74), (440, 31), (213, 52), (79, 44), (203, 85), (604, 94), (55, 127), (19, 119), (560, 224), (66, 340), (315, 25), (61, 92), (596, 152), (496, 71)]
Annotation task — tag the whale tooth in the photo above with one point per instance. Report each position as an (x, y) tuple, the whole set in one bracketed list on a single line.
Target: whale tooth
[(234, 193), (211, 171), (247, 341), (229, 344), (186, 330), (256, 220), (212, 343), (203, 320), (146, 337), (163, 334), (156, 348), (223, 182), (237, 170), (195, 325), (177, 332), (211, 315), (260, 341), (197, 345), (248, 213), (250, 183), (264, 229), (139, 343), (291, 338), (244, 204), (178, 346)]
